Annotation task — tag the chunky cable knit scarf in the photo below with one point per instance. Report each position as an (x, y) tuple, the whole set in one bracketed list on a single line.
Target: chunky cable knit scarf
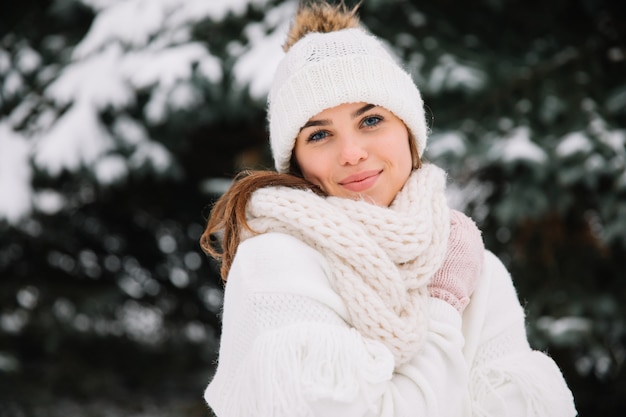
[(381, 258)]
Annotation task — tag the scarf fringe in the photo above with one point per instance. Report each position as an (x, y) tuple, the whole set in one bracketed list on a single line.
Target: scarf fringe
[(531, 376), (290, 368)]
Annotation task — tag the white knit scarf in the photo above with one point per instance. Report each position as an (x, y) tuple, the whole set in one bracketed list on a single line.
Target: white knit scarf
[(381, 258)]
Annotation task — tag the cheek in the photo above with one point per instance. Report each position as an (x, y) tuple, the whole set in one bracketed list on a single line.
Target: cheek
[(308, 164), (314, 174), (408, 158), (403, 157), (398, 147), (299, 160)]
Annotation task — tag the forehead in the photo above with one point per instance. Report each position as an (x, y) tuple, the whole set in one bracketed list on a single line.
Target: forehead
[(347, 109)]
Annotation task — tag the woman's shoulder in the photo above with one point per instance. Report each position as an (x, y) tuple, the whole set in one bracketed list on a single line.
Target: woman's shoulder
[(495, 273), (281, 263), (496, 278), (269, 242), (278, 253), (495, 291), (495, 298), (492, 263)]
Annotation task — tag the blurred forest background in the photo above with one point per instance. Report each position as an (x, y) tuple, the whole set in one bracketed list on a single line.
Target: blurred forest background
[(122, 121)]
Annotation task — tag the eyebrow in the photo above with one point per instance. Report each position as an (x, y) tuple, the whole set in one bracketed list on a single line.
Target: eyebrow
[(362, 110), (326, 122)]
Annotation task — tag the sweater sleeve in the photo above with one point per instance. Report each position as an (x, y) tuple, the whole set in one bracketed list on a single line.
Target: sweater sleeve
[(287, 348), (507, 377)]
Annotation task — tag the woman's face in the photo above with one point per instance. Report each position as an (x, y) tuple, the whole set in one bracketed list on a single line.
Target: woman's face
[(357, 151)]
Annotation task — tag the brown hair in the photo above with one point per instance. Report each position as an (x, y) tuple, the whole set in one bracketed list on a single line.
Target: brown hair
[(228, 216)]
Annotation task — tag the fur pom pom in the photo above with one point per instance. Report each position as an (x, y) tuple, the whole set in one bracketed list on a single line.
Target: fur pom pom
[(320, 17)]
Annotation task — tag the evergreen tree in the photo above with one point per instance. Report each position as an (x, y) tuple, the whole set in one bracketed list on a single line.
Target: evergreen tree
[(121, 121)]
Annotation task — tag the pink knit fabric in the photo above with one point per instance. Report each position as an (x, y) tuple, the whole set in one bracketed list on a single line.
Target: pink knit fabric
[(456, 280)]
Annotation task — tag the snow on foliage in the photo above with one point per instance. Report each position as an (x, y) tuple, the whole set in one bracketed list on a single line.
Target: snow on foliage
[(444, 143), (142, 45), (573, 143), (15, 175), (49, 201), (517, 146), (449, 74), (131, 46), (264, 48), (95, 80), (28, 60), (76, 140)]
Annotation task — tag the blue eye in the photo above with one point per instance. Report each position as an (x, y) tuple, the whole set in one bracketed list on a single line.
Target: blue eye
[(317, 136), (371, 121)]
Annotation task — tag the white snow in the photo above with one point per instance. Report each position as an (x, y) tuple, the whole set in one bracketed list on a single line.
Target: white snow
[(212, 298), (259, 77), (211, 68), (153, 154), (77, 139), (595, 163), (616, 139), (145, 68), (184, 95), (134, 22), (47, 74), (169, 70), (28, 60), (517, 146), (570, 327), (179, 277), (217, 186), (142, 323), (449, 74), (5, 61), (15, 175), (129, 131), (22, 110), (44, 121), (256, 66), (450, 142), (110, 169), (195, 10), (573, 143), (417, 19), (49, 201), (99, 4), (155, 110), (13, 84), (135, 44), (96, 80)]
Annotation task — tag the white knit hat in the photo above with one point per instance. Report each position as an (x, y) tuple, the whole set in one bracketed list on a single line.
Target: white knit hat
[(324, 70)]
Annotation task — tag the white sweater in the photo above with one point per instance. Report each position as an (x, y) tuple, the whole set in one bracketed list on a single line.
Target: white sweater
[(287, 349)]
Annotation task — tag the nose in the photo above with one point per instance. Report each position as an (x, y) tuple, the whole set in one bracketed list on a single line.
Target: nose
[(352, 151)]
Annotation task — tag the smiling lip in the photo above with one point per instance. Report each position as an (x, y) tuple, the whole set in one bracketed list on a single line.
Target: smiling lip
[(361, 181)]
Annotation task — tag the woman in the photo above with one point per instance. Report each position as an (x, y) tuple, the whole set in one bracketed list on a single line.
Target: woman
[(352, 289)]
